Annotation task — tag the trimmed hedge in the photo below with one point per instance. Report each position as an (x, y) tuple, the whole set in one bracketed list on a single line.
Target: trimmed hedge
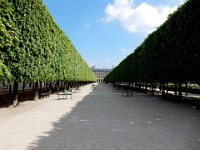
[(171, 54), (34, 48)]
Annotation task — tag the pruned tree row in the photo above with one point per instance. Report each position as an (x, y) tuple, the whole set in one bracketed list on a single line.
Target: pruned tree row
[(171, 54), (33, 48)]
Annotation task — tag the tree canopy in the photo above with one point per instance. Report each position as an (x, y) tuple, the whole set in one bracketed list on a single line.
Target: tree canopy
[(169, 54), (34, 48)]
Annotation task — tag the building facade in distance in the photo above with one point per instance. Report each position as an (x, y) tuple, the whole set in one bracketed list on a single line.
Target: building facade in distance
[(100, 73)]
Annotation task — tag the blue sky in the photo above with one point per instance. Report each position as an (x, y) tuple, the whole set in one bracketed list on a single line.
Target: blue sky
[(104, 32)]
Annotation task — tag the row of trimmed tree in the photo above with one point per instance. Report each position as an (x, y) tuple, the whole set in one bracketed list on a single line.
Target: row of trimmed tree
[(33, 48), (171, 54)]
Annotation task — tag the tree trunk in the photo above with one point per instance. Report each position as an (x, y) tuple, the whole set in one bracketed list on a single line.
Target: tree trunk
[(65, 85), (40, 87), (152, 89), (160, 87), (10, 89), (36, 92), (140, 85), (23, 87), (33, 86), (186, 89), (175, 88), (163, 91), (167, 87), (50, 87), (150, 86), (180, 90), (57, 86), (145, 91), (15, 92)]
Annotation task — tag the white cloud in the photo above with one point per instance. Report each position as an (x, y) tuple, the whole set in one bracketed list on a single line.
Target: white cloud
[(142, 18), (125, 50)]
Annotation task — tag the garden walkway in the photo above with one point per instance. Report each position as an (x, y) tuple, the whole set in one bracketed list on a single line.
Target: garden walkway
[(100, 119)]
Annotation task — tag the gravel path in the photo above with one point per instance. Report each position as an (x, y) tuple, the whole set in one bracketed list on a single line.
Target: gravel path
[(100, 120)]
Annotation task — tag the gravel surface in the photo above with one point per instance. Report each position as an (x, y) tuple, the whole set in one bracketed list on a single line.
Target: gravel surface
[(101, 119)]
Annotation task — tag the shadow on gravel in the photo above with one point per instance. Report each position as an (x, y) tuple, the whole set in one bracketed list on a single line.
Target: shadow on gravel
[(6, 100), (104, 120)]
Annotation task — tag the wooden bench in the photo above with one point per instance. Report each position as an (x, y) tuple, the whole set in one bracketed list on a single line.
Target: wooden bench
[(65, 93)]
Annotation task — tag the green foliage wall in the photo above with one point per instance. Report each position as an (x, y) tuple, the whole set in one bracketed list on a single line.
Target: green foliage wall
[(4, 73), (34, 48), (169, 54)]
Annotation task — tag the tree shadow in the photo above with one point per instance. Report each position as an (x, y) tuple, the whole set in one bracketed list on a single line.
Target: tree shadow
[(105, 120), (72, 127)]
